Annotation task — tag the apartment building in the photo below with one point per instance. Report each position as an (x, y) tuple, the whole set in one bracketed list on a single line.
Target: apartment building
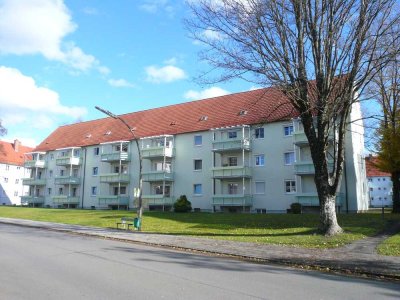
[(12, 172), (241, 152), (379, 184)]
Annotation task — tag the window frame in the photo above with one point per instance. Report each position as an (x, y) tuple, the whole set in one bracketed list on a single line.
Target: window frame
[(257, 161), (290, 132), (260, 135), (289, 154), (291, 191), (196, 138), (194, 165), (194, 189)]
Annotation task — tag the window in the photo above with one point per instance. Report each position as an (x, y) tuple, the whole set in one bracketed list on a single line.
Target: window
[(260, 187), (288, 130), (371, 189), (76, 152), (94, 190), (50, 173), (232, 134), (16, 193), (5, 179), (51, 156), (16, 181), (95, 171), (379, 179), (197, 189), (7, 167), (61, 172), (96, 151), (198, 164), (259, 160), (124, 148), (49, 191), (384, 179), (259, 133), (290, 186), (232, 161), (198, 140), (233, 188), (60, 191), (289, 158)]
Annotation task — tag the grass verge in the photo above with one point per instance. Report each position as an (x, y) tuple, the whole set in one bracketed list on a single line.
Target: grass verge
[(279, 229), (391, 246)]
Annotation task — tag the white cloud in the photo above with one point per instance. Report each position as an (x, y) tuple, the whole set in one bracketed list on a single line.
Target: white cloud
[(171, 61), (164, 74), (207, 93), (120, 83), (39, 27), (154, 6), (212, 34), (22, 101)]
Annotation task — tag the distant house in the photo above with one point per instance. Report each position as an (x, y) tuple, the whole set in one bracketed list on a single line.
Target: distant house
[(379, 184), (12, 172)]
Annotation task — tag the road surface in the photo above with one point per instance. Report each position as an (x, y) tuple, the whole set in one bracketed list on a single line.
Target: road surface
[(41, 264)]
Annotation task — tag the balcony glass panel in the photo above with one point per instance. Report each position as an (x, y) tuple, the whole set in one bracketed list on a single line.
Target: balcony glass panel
[(25, 200), (311, 199), (232, 172), (157, 200), (231, 144), (115, 156), (114, 177), (33, 181), (65, 200), (67, 180), (232, 200), (68, 161), (34, 164), (113, 200), (157, 176)]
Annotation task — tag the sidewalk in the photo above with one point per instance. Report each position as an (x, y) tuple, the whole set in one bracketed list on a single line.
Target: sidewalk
[(357, 258)]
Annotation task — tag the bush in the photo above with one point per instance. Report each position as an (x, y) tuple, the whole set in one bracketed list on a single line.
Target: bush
[(295, 208), (182, 204)]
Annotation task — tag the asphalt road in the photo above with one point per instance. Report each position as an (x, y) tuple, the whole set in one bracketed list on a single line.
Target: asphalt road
[(40, 264)]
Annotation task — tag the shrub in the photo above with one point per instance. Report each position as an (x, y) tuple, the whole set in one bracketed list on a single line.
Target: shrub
[(182, 204), (295, 208)]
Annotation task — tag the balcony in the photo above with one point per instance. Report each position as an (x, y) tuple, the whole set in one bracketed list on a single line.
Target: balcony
[(156, 152), (67, 180), (231, 145), (34, 164), (26, 200), (114, 178), (33, 181), (158, 200), (68, 161), (157, 176), (231, 172), (300, 138), (61, 199), (232, 200), (113, 200), (311, 199), (115, 156), (307, 167)]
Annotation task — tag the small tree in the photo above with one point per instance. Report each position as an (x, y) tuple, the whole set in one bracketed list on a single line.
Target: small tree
[(182, 204)]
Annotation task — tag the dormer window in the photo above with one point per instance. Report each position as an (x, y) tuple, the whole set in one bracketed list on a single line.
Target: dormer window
[(203, 118), (88, 136), (107, 133), (242, 113)]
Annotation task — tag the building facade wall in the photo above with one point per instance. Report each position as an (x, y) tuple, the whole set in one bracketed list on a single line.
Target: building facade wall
[(11, 187)]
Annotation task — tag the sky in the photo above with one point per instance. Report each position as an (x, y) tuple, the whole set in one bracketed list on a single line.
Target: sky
[(61, 58)]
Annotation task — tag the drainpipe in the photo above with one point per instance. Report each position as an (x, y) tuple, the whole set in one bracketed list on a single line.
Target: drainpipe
[(84, 176), (345, 184)]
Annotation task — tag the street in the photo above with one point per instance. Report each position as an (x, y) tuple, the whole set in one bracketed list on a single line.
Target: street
[(41, 264)]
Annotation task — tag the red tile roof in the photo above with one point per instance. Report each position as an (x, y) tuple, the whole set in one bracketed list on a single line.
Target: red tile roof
[(263, 105), (8, 155), (372, 170)]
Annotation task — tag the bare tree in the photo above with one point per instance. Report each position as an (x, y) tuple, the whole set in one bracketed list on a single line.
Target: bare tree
[(3, 130), (319, 53)]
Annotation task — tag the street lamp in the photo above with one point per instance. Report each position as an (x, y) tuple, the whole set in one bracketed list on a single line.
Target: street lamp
[(132, 131)]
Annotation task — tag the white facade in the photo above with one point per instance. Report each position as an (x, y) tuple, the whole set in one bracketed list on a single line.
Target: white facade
[(237, 168), (380, 191), (11, 187)]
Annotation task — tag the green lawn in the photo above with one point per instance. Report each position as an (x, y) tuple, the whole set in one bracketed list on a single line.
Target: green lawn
[(280, 229), (391, 246)]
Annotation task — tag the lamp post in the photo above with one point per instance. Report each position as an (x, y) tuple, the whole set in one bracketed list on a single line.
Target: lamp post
[(132, 131)]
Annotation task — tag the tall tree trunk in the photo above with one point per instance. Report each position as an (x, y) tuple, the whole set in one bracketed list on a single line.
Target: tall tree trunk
[(396, 192)]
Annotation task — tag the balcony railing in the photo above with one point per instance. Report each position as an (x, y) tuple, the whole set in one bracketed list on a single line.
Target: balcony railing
[(114, 178), (115, 156), (311, 199), (300, 138), (34, 164), (157, 176), (113, 200), (231, 145), (67, 180), (26, 200), (307, 167), (33, 181), (232, 172), (68, 161), (159, 151), (61, 199), (232, 200), (157, 200)]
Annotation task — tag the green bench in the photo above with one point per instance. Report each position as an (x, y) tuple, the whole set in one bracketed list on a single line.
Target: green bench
[(127, 222)]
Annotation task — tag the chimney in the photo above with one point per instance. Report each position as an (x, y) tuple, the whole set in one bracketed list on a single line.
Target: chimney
[(17, 143)]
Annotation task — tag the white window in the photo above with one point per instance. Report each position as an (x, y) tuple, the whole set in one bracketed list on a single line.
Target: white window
[(49, 191), (16, 181), (96, 151), (290, 186), (94, 190), (197, 189), (16, 193), (60, 191), (198, 164), (233, 188), (232, 134), (288, 130), (51, 156), (259, 133), (260, 187), (95, 171), (7, 167), (50, 173), (198, 140), (259, 160), (289, 158), (124, 148), (232, 161), (5, 179), (76, 152)]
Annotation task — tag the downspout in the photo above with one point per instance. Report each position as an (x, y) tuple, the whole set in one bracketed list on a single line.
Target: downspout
[(345, 184), (84, 176)]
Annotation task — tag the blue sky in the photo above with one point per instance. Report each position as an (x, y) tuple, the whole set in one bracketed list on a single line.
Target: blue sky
[(60, 58)]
